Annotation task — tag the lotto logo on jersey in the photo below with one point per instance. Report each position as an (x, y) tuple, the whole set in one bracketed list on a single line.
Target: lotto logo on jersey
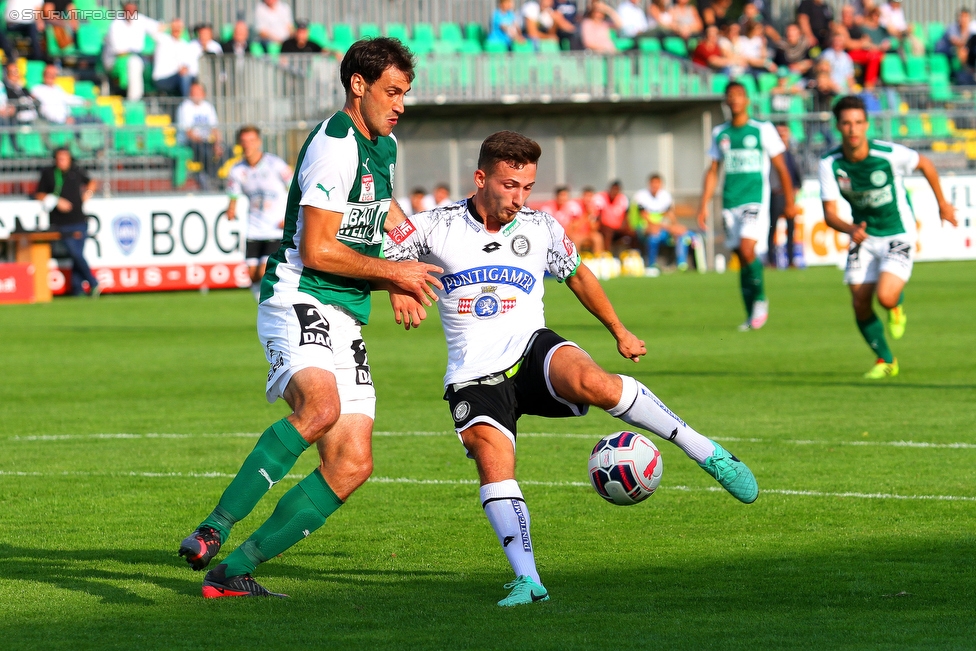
[(368, 189), (402, 232)]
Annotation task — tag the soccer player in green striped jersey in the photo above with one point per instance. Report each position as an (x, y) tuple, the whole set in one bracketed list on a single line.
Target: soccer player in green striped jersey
[(315, 296), (747, 149), (868, 174)]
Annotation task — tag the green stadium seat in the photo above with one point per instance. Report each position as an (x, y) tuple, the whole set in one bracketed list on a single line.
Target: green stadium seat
[(470, 47), (30, 144), (399, 31), (369, 30), (525, 47), (935, 32), (274, 49), (316, 34), (549, 47), (749, 83), (342, 36), (767, 81), (939, 67), (149, 45), (423, 33), (85, 5), (495, 47), (719, 82), (7, 148), (181, 156), (913, 127), (474, 32), (892, 70), (85, 89), (623, 43), (134, 113), (676, 46), (60, 138), (256, 49), (649, 44), (35, 74), (91, 139), (915, 71), (227, 32), (89, 39), (939, 123), (940, 90), (451, 32), (105, 113), (446, 47), (53, 49)]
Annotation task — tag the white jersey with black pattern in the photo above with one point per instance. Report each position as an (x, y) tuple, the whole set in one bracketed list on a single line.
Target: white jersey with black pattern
[(266, 187), (492, 297)]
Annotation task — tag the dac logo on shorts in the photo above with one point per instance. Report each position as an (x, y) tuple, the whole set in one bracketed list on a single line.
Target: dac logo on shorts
[(363, 376), (315, 329)]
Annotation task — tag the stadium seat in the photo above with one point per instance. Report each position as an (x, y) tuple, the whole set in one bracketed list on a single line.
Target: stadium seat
[(525, 47), (719, 82), (446, 47), (227, 32), (915, 71), (30, 144), (91, 139), (767, 81), (913, 126), (34, 74), (53, 49), (940, 90), (496, 47), (623, 43), (85, 5), (256, 49), (423, 33), (274, 49), (89, 39), (940, 126), (7, 148), (317, 35), (369, 30), (892, 70), (676, 46), (85, 89), (451, 32), (342, 37), (939, 67), (749, 83), (398, 30), (470, 47), (649, 44), (549, 47), (935, 32), (60, 138), (474, 32)]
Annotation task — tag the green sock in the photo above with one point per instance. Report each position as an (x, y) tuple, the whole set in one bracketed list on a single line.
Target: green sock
[(272, 457), (300, 511), (873, 332), (758, 280), (748, 287)]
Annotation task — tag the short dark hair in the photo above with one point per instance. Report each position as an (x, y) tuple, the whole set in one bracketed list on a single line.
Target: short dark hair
[(849, 102), (736, 84), (508, 147), (418, 190), (560, 188), (248, 128), (370, 57), (653, 176), (587, 188)]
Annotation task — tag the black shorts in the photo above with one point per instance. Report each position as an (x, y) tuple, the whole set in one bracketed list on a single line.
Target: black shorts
[(500, 400), (257, 251)]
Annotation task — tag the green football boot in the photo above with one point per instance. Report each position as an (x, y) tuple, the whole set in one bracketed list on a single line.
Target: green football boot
[(734, 475), (896, 322), (524, 591), (882, 369)]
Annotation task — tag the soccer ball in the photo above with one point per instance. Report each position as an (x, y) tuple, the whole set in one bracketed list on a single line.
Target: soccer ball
[(625, 468)]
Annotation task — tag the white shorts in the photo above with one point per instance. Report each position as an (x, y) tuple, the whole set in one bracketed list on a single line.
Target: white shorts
[(748, 222), (300, 332), (894, 254)]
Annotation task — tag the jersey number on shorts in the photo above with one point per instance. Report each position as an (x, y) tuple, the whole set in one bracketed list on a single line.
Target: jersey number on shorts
[(315, 329)]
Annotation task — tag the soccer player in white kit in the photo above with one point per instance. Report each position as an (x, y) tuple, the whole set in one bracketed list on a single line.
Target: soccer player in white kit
[(502, 360), (264, 179)]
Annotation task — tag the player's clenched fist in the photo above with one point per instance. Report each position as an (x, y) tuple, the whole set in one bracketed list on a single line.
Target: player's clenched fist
[(631, 347)]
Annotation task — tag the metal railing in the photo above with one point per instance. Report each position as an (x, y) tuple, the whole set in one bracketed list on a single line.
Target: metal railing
[(925, 11)]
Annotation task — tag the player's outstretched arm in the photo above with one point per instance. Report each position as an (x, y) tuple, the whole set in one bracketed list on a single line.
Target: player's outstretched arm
[(779, 164), (319, 249), (590, 293), (708, 191), (946, 210), (857, 231)]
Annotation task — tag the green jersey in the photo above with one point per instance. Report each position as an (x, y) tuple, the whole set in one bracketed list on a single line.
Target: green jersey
[(340, 170), (745, 153), (874, 187)]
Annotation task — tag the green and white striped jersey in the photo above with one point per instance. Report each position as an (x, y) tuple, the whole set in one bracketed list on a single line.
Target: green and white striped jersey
[(874, 187), (340, 170), (745, 153)]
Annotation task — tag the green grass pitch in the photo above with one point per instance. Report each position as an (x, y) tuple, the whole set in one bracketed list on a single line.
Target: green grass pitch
[(123, 419)]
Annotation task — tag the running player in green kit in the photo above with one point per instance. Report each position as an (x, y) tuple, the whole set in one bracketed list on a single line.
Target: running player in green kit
[(868, 175), (747, 148)]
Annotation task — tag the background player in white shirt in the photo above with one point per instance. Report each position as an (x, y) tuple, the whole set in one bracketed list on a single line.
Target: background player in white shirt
[(264, 179), (502, 360)]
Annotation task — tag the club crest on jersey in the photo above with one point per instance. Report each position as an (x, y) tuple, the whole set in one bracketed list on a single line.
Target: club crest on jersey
[(367, 190), (486, 305), (402, 232), (750, 141), (520, 245), (878, 178), (502, 275)]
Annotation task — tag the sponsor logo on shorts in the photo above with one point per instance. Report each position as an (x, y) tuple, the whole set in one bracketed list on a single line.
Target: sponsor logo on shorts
[(314, 326), (513, 276), (899, 252), (402, 232), (461, 411), (520, 245), (363, 375)]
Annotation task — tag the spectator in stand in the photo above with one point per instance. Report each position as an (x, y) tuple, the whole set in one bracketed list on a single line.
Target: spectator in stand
[(633, 18), (60, 17), (299, 43), (893, 19), (661, 225), (781, 95), (752, 12), (659, 18), (541, 21), (196, 122), (563, 208), (202, 45), (595, 28), (871, 26), (24, 17), (794, 51), (860, 48), (124, 42), (240, 40), (613, 206), (751, 47), (709, 53), (841, 65), (587, 227), (568, 30), (62, 190), (777, 199), (442, 196), (24, 104), (729, 42), (173, 60), (966, 75), (815, 18), (418, 201), (715, 12), (273, 21), (55, 102), (8, 111), (504, 25), (685, 19), (956, 36), (823, 85)]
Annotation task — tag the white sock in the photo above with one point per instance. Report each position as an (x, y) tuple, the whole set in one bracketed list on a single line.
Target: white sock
[(256, 290), (638, 406), (506, 511)]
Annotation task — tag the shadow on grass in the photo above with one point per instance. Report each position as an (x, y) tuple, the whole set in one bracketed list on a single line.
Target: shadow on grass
[(910, 594)]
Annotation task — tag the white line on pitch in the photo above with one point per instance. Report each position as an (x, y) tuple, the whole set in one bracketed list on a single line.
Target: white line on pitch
[(474, 482), (592, 437)]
